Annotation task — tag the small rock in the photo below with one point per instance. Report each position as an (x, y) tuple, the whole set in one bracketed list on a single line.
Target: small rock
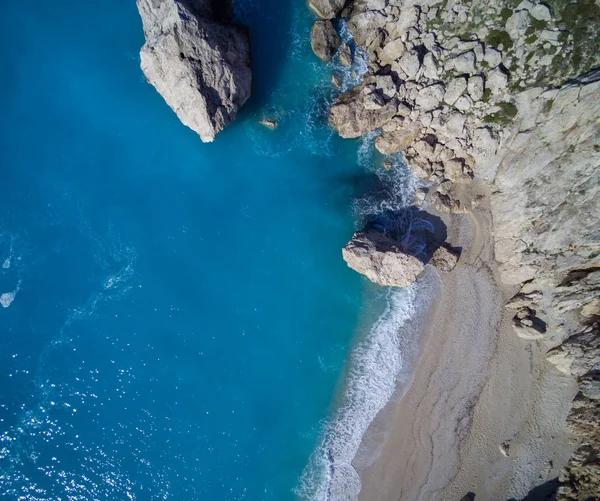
[(453, 169), (492, 56), (464, 63), (455, 89), (463, 103), (387, 165), (346, 55), (497, 81), (541, 12), (324, 40), (392, 51), (337, 80), (475, 87), (444, 259), (269, 123)]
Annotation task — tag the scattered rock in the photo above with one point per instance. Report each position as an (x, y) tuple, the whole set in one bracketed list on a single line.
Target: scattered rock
[(346, 55), (269, 123), (476, 87), (324, 40), (497, 81)]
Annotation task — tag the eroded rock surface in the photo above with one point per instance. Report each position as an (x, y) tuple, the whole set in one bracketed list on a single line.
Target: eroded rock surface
[(199, 64), (324, 40), (507, 93)]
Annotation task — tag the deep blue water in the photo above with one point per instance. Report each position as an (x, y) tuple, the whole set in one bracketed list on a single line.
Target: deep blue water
[(177, 315), (180, 312)]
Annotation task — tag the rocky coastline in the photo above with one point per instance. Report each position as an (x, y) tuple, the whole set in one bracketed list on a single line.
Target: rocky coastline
[(504, 96), (197, 60)]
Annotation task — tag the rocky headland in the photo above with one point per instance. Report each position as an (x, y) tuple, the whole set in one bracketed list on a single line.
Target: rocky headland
[(496, 107), (197, 60)]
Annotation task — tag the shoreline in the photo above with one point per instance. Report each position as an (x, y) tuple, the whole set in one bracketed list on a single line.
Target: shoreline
[(476, 387)]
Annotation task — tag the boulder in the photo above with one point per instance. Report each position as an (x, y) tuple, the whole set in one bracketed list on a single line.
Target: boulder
[(410, 64), (497, 81), (200, 66), (352, 119), (324, 40), (463, 63), (455, 89), (327, 9), (379, 258), (430, 97), (517, 24)]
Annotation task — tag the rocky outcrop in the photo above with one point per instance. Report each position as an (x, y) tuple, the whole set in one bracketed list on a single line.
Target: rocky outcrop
[(327, 9), (386, 261), (506, 93), (199, 64), (324, 40), (381, 260)]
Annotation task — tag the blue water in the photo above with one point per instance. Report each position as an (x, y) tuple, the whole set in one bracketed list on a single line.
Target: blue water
[(176, 315)]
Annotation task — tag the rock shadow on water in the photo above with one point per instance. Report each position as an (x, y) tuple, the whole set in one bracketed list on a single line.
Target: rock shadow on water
[(417, 232), (270, 24)]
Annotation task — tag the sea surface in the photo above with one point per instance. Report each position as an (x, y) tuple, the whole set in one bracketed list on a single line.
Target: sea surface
[(176, 320)]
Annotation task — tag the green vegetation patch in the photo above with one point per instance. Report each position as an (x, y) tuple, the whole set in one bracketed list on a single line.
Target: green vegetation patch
[(505, 14), (497, 37), (504, 116)]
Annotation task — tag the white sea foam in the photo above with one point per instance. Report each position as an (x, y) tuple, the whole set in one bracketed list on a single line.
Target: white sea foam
[(375, 365)]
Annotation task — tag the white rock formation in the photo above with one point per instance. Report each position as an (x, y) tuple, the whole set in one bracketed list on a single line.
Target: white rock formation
[(200, 66)]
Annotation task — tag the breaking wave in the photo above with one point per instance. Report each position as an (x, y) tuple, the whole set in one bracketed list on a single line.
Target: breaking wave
[(375, 364)]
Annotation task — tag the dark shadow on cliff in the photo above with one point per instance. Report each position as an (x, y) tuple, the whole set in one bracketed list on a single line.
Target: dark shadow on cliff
[(270, 39)]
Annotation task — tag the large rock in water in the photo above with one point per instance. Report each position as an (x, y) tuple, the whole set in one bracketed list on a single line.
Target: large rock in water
[(199, 64), (324, 40), (379, 258)]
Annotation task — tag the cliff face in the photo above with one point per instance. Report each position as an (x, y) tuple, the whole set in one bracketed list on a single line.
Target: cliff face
[(503, 92), (198, 63)]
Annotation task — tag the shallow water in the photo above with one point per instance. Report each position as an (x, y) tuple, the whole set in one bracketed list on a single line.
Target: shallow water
[(176, 315)]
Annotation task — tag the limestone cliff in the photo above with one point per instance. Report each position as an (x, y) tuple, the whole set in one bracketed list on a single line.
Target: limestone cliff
[(196, 61), (504, 92)]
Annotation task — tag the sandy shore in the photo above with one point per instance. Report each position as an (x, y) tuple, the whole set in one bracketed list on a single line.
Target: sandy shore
[(477, 389)]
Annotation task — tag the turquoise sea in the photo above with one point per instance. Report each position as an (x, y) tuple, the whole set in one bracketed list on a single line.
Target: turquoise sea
[(176, 317)]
